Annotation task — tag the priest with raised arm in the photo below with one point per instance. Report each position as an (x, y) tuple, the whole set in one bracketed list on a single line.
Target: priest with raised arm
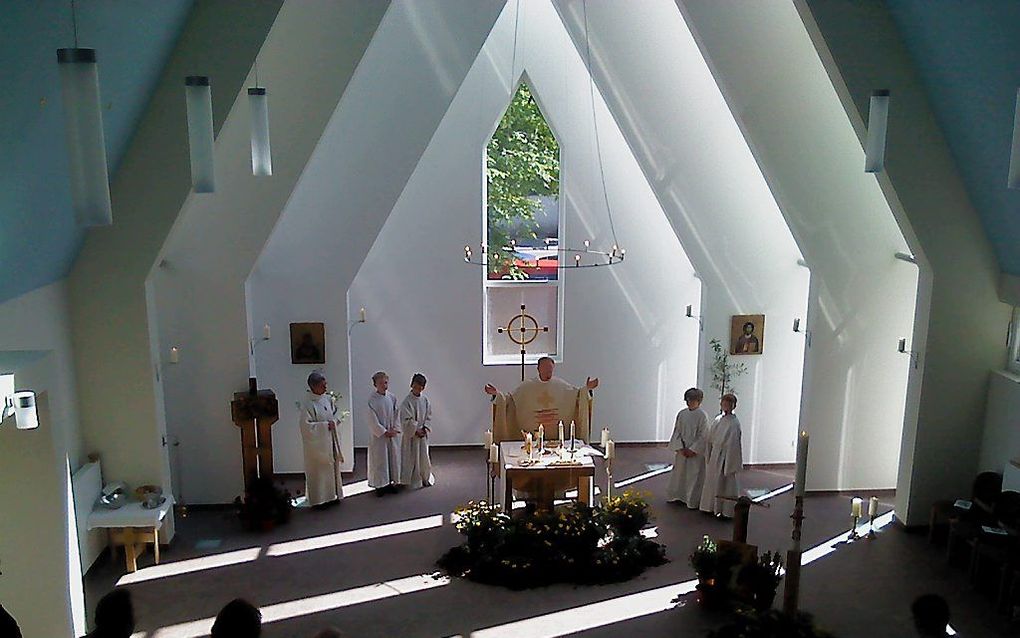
[(545, 401)]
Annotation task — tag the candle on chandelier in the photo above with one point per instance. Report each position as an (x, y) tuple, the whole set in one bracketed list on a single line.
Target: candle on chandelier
[(873, 507), (855, 507), (493, 454)]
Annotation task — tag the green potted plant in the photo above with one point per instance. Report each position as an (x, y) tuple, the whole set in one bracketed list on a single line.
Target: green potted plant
[(723, 372), (760, 580)]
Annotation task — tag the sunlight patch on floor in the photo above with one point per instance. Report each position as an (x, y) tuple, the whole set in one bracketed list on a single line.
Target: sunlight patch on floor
[(355, 535), (191, 565), (315, 604)]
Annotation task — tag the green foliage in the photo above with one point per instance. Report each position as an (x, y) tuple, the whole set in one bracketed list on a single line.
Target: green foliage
[(574, 544), (723, 372), (522, 161)]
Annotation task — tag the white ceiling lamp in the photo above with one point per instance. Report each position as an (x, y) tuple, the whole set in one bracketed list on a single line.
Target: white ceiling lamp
[(878, 120), (198, 94), (1014, 157), (258, 106), (22, 406), (83, 128)]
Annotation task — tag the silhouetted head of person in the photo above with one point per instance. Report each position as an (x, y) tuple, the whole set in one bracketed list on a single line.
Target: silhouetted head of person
[(238, 619), (8, 626), (931, 615), (115, 615)]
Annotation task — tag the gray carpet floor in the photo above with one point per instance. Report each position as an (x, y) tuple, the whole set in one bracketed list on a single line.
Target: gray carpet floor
[(861, 589)]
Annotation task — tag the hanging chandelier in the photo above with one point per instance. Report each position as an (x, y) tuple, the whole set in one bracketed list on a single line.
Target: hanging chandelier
[(550, 254)]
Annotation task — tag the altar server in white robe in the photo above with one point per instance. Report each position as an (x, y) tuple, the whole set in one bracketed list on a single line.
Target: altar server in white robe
[(320, 443), (723, 461), (416, 426), (384, 444), (687, 479)]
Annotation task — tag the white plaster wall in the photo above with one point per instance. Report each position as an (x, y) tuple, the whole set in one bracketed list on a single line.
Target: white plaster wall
[(36, 539), (862, 298), (307, 62), (701, 170), (1001, 442), (960, 327), (623, 324)]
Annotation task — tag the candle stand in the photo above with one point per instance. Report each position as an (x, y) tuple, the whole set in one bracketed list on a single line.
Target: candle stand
[(609, 478), (871, 528), (853, 535), (791, 593)]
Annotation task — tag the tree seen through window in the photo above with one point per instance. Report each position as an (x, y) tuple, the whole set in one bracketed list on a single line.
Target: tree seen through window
[(523, 186)]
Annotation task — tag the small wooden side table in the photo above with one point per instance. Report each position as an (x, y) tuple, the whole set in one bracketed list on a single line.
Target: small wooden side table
[(132, 526)]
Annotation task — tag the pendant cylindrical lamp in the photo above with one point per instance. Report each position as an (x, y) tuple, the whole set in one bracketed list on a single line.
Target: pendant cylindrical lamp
[(200, 132), (83, 127), (1014, 156), (261, 154), (878, 120)]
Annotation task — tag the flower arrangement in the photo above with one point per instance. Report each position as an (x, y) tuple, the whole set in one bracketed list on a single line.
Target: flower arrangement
[(736, 575), (574, 544), (263, 505)]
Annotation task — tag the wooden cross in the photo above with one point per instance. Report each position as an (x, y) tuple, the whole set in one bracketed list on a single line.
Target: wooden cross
[(522, 329)]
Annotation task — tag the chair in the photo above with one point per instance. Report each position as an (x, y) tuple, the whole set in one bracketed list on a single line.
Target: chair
[(983, 495), (999, 549)]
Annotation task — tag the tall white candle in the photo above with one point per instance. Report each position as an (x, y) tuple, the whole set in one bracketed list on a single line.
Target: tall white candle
[(265, 331), (610, 450), (541, 431), (561, 432), (527, 443), (571, 430), (175, 355), (488, 438), (873, 507), (801, 478), (855, 507), (493, 454), (605, 436)]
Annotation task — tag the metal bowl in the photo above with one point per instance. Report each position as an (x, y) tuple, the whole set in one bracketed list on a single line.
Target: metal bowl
[(114, 501)]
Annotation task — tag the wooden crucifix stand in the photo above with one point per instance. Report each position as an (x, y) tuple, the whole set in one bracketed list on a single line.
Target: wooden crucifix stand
[(255, 412)]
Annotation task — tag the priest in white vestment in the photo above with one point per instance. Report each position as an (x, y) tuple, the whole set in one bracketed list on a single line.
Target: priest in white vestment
[(544, 401), (384, 444), (320, 443), (723, 461), (415, 415), (687, 479)]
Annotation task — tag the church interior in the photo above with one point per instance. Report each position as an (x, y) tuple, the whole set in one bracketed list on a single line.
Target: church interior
[(220, 217)]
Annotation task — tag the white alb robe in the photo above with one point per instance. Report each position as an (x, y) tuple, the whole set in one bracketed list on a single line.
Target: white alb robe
[(383, 451), (321, 448), (687, 479), (415, 465), (723, 463)]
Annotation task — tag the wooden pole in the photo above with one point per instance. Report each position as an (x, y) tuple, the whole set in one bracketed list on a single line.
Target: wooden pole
[(741, 513)]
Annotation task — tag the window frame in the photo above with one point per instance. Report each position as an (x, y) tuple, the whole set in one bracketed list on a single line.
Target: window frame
[(487, 284)]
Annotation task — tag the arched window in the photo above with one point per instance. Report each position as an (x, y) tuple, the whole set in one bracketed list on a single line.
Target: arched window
[(522, 230)]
